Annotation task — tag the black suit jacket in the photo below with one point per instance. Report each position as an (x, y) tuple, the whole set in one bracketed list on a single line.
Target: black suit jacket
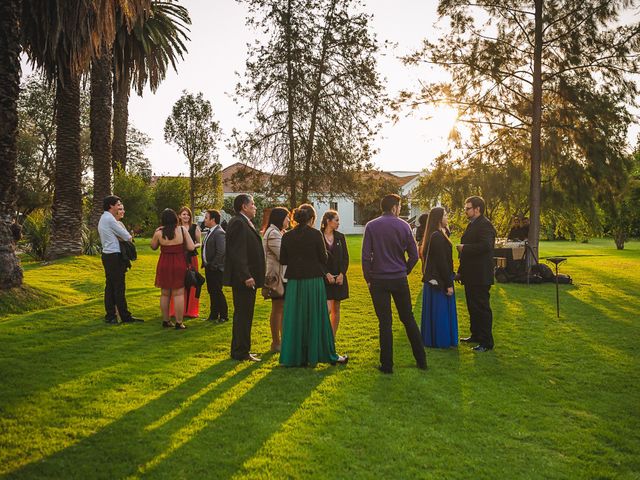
[(439, 261), (304, 253), (476, 258), (244, 256), (214, 249)]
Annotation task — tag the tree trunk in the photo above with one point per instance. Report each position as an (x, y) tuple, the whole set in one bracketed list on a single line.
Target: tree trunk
[(619, 237), (10, 270), (66, 220), (120, 122), (306, 176), (192, 189), (291, 169), (101, 95), (535, 193)]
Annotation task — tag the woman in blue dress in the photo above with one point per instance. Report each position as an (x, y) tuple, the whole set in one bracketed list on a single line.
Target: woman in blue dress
[(439, 317)]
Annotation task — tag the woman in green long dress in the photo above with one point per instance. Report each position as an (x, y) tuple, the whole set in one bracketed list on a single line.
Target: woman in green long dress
[(307, 338)]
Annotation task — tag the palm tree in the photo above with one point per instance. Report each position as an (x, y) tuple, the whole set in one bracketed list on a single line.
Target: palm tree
[(100, 124), (142, 56), (10, 270), (62, 37)]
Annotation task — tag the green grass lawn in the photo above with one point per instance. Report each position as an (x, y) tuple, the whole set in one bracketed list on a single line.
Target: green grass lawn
[(557, 398)]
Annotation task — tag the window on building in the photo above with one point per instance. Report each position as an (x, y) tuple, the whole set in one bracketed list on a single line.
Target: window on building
[(333, 206)]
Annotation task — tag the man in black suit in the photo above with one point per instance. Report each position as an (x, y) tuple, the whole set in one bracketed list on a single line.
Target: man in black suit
[(476, 272), (244, 269), (213, 254)]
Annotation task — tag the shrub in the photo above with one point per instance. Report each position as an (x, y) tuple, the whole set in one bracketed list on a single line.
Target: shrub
[(91, 244), (36, 231), (136, 196), (170, 192)]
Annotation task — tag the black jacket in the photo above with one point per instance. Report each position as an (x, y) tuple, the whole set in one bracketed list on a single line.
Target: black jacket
[(244, 256), (128, 253), (304, 253), (338, 261), (439, 261), (214, 249), (476, 258)]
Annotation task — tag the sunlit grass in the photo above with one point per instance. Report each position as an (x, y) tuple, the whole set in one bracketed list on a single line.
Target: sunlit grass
[(557, 398)]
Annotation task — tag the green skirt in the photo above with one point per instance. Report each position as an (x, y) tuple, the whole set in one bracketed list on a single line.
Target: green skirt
[(307, 338)]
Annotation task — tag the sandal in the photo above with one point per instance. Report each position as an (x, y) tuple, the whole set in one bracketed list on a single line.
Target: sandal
[(180, 326), (167, 323)]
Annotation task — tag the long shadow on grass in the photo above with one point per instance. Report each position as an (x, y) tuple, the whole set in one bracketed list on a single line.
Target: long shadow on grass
[(42, 353), (202, 428)]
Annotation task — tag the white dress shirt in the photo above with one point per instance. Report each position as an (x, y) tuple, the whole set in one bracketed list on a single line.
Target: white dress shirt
[(109, 230)]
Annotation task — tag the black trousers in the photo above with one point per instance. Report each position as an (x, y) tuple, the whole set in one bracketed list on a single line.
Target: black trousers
[(480, 314), (114, 289), (219, 308), (381, 293), (244, 301)]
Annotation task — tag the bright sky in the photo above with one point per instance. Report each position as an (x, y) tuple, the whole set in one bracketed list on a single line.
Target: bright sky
[(218, 49)]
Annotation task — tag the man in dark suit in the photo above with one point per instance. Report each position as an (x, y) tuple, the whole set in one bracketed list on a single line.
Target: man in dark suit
[(476, 272), (244, 269), (213, 254)]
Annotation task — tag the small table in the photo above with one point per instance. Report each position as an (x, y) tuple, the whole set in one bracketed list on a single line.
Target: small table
[(556, 261)]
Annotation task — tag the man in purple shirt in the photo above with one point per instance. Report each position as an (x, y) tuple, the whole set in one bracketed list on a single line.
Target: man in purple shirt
[(387, 243)]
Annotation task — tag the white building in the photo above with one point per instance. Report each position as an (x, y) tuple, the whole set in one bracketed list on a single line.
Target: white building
[(240, 178)]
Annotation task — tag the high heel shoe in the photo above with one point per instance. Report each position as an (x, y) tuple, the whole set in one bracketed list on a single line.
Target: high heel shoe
[(180, 326), (342, 360), (167, 324)]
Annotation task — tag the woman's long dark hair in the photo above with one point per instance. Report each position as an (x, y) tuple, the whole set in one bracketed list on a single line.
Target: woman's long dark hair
[(422, 226), (277, 216), (303, 214), (169, 222), (433, 224)]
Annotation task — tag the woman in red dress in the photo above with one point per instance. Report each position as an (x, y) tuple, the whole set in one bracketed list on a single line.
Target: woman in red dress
[(173, 241), (191, 303)]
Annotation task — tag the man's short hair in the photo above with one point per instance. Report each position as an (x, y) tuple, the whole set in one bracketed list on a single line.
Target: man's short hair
[(476, 202), (214, 215), (109, 202), (240, 200), (389, 201)]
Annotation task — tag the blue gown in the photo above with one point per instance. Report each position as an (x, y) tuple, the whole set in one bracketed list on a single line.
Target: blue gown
[(439, 324)]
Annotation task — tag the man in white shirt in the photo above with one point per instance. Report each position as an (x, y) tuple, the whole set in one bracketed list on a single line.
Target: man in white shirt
[(111, 232)]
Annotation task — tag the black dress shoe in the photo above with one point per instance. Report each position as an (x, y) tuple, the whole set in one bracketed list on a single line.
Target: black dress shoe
[(481, 348), (469, 340), (222, 320), (421, 366), (111, 321), (385, 370), (133, 320)]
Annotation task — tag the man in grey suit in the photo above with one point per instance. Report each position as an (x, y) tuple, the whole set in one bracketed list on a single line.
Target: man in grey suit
[(213, 252)]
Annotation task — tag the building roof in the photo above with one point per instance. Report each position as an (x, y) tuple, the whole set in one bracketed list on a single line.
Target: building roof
[(240, 177)]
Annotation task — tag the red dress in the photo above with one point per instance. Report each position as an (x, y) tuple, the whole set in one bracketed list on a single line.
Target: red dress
[(171, 267), (191, 303)]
